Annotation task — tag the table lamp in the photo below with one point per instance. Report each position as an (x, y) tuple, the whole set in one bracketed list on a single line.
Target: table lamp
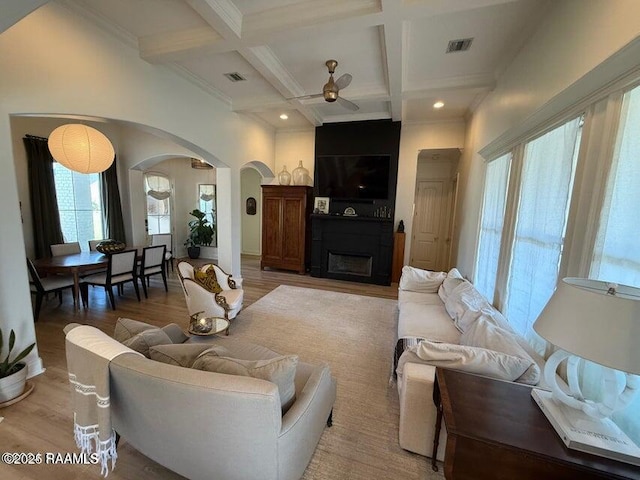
[(597, 321)]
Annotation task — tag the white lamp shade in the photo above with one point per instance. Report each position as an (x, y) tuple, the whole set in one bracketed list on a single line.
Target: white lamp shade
[(583, 319), (81, 148)]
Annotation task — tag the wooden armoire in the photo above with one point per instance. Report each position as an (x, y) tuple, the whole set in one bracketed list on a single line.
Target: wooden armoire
[(286, 227)]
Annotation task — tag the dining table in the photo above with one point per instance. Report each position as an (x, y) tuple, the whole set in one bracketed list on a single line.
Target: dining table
[(78, 264), (75, 264)]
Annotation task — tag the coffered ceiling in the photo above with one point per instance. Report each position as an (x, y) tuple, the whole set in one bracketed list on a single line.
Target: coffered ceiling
[(394, 49)]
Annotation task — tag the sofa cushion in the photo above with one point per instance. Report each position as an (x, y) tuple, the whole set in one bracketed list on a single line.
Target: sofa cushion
[(183, 355), (485, 334), (207, 278), (427, 321), (146, 339), (418, 280), (465, 358), (279, 370), (405, 296), (127, 328), (465, 298)]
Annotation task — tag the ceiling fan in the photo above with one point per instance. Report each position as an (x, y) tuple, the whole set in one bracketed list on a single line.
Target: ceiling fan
[(331, 89)]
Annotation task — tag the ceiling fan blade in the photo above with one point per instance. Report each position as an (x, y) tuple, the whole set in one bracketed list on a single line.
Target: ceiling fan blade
[(347, 104), (343, 81), (307, 97)]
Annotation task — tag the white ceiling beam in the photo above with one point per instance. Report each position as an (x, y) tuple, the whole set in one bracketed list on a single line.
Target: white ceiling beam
[(181, 44), (15, 10), (479, 82), (310, 12), (393, 40), (222, 15)]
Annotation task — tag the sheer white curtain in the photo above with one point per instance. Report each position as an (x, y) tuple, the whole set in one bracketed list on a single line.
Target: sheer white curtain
[(491, 224), (547, 179), (617, 250)]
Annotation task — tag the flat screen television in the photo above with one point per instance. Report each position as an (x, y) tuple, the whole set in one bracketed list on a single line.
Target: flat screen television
[(353, 177)]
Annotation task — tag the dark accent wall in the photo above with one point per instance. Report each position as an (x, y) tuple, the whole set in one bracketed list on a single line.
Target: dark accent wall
[(374, 137)]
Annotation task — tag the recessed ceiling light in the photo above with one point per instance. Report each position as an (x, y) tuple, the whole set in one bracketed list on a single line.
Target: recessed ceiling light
[(284, 116), (438, 104)]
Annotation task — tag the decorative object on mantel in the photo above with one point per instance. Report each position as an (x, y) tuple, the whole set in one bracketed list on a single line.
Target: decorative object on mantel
[(401, 227), (200, 164), (383, 212), (81, 148), (284, 177), (251, 206), (321, 205), (300, 175), (13, 373), (596, 321), (350, 212), (110, 246)]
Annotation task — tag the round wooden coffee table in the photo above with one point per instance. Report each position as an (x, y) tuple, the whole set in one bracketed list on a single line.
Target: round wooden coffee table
[(219, 325)]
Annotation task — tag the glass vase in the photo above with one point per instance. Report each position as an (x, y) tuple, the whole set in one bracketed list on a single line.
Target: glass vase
[(300, 175), (284, 177)]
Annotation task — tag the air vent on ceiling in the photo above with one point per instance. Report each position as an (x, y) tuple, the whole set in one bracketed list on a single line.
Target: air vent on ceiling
[(234, 77), (461, 45)]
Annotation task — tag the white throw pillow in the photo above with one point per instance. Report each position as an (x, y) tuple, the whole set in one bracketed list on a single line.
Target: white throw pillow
[(422, 281), (480, 361), (449, 285), (462, 298), (485, 334), (278, 370)]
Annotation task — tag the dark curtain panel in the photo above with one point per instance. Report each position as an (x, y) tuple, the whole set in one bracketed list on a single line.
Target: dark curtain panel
[(42, 191), (111, 206)]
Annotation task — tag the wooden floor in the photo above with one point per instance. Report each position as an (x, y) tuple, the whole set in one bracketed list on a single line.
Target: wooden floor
[(42, 422)]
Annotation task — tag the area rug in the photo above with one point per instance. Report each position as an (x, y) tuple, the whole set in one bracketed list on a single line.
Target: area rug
[(355, 335)]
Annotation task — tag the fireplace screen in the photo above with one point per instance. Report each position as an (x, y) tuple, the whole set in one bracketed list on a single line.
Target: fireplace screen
[(350, 264)]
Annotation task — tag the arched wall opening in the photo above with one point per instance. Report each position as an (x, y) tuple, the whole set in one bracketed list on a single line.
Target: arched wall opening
[(252, 175)]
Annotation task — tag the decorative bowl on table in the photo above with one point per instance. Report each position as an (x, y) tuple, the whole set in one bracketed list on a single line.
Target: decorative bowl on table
[(110, 246), (200, 326)]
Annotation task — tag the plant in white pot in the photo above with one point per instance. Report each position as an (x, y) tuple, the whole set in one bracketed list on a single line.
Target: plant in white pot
[(13, 373)]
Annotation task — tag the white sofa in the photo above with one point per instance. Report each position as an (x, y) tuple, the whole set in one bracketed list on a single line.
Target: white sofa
[(445, 310)]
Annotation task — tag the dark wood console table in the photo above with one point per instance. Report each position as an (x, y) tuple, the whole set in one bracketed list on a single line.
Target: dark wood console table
[(495, 430)]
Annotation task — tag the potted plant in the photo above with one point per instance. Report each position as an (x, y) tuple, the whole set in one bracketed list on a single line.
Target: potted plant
[(13, 373), (200, 233)]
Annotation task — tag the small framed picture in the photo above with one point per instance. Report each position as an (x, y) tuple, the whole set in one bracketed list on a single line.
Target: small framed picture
[(321, 205)]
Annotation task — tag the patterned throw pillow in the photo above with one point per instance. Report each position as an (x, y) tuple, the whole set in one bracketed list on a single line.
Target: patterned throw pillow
[(207, 278)]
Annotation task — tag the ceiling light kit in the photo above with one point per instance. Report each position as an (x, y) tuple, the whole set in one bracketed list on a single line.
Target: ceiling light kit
[(284, 116), (438, 104)]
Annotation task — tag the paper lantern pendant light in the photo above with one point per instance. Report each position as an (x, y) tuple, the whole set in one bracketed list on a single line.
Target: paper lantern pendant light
[(81, 148)]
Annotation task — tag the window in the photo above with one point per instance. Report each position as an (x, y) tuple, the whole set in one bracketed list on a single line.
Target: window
[(491, 224), (207, 204), (545, 188), (79, 205), (158, 189), (616, 254)]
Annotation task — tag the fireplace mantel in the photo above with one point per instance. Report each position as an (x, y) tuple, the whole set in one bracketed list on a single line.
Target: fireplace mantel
[(358, 237)]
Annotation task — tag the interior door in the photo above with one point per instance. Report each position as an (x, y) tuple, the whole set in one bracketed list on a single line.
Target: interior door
[(430, 223)]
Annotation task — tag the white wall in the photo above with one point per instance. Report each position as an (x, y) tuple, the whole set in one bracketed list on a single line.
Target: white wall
[(413, 139), (100, 76), (551, 69), (251, 232), (293, 146)]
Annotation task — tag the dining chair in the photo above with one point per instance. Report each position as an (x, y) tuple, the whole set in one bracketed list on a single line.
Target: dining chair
[(166, 240), (153, 263), (41, 286), (93, 244), (65, 249), (120, 270)]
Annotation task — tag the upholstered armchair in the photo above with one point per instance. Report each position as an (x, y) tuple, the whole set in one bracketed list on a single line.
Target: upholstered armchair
[(225, 304)]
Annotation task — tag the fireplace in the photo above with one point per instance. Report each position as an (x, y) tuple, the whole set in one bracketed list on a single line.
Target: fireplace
[(349, 264), (357, 249)]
